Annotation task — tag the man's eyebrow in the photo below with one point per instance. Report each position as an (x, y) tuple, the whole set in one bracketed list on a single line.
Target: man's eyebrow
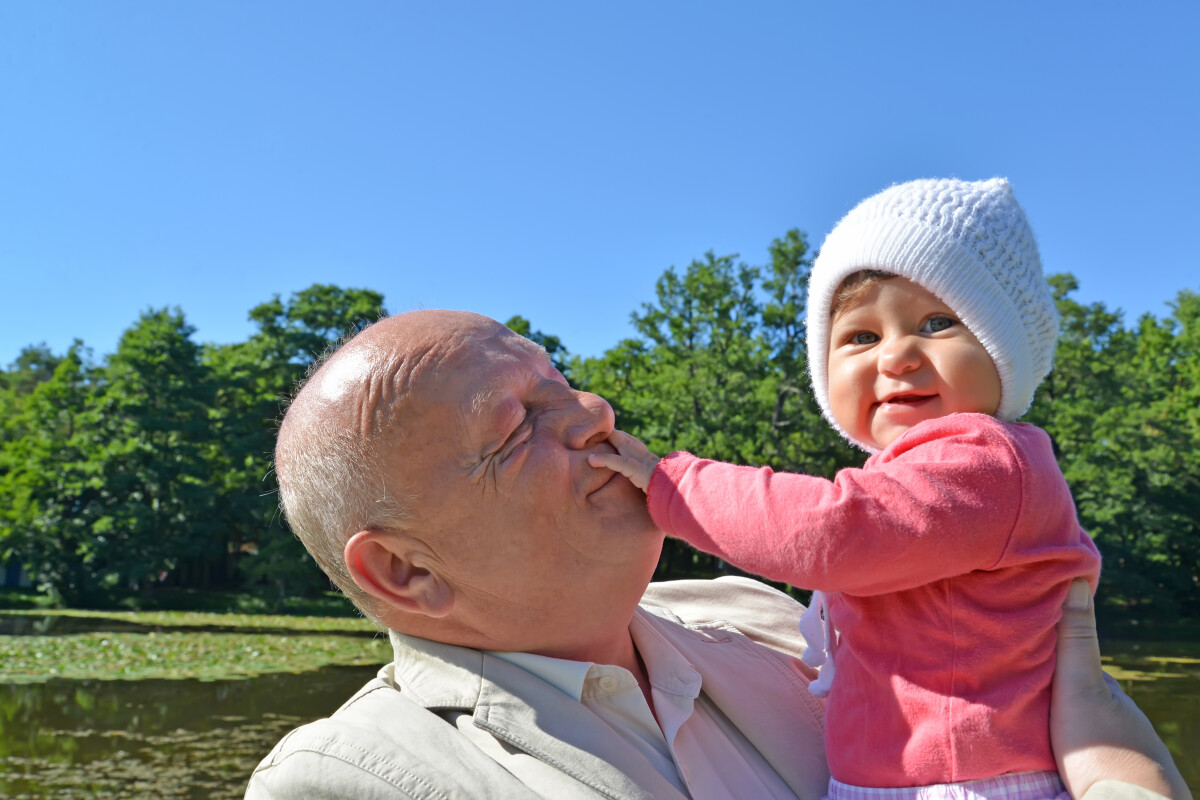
[(479, 399), (539, 349)]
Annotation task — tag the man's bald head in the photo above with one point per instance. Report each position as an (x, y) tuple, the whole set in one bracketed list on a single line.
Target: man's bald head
[(338, 437)]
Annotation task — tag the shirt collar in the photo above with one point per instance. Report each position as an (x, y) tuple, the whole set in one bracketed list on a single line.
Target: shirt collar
[(566, 676), (666, 667)]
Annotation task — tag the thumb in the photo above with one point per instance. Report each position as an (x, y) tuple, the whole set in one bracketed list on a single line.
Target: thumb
[(1078, 672)]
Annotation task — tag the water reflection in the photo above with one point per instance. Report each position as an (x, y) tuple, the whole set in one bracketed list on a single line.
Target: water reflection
[(1167, 689), (62, 625), (1173, 705), (155, 738), (193, 739)]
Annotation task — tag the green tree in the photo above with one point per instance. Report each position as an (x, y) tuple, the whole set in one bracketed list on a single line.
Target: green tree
[(690, 381), (54, 488), (707, 362), (153, 421), (35, 364), (1182, 404), (796, 437), (1092, 365), (1153, 437)]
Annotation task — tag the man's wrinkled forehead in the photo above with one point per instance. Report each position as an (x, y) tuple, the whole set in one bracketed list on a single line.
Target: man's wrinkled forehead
[(459, 369), (507, 363), (348, 392), (397, 367)]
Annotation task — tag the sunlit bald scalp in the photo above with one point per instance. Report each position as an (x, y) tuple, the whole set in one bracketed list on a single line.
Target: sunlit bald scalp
[(341, 431)]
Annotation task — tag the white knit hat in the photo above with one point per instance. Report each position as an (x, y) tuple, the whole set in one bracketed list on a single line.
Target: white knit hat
[(968, 243)]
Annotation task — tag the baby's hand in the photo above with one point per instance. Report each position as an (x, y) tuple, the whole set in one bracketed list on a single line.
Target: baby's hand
[(633, 460)]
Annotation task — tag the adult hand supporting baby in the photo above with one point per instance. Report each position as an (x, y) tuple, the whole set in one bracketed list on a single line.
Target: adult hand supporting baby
[(1095, 729)]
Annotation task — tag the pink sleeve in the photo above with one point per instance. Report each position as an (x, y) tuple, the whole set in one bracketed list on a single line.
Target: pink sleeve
[(942, 501)]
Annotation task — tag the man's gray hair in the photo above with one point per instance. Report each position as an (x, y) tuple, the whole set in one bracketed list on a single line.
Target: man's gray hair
[(332, 484)]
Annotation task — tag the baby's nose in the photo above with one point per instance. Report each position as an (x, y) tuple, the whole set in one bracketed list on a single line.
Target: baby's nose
[(899, 354)]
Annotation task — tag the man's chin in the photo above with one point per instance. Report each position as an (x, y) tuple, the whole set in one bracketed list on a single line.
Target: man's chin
[(641, 523), (636, 526)]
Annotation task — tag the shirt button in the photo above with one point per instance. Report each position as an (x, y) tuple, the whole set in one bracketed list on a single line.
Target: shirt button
[(608, 683)]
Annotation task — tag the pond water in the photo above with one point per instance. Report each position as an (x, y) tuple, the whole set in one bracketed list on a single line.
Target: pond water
[(155, 738), (192, 739)]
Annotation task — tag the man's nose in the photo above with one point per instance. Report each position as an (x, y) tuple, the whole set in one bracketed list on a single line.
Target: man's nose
[(899, 354), (591, 421)]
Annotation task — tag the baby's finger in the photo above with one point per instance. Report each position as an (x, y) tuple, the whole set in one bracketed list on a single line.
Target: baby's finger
[(622, 440), (606, 460), (637, 473)]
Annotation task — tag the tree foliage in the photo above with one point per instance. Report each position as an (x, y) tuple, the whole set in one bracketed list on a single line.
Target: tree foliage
[(1120, 406), (51, 478), (154, 468)]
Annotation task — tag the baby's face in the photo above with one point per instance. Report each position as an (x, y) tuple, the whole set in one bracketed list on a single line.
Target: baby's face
[(899, 356)]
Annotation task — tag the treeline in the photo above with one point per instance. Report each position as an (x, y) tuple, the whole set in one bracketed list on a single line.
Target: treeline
[(152, 467)]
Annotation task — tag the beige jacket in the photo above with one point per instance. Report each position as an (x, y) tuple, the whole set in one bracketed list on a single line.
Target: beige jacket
[(449, 722)]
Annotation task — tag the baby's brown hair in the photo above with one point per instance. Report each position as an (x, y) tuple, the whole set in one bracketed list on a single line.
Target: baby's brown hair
[(855, 286)]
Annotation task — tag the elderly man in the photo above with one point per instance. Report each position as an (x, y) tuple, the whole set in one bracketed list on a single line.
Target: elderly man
[(436, 468)]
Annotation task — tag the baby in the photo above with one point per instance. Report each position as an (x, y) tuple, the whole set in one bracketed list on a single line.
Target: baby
[(944, 561)]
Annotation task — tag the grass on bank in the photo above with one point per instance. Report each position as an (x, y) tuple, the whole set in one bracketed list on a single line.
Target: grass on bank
[(202, 656), (202, 645), (205, 619), (326, 604)]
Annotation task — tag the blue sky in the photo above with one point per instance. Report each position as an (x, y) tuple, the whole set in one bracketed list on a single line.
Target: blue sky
[(551, 159)]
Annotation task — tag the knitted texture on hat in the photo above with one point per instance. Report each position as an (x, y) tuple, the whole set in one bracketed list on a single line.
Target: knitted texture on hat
[(970, 245)]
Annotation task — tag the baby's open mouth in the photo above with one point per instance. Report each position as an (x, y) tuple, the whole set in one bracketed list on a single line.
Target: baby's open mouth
[(902, 399)]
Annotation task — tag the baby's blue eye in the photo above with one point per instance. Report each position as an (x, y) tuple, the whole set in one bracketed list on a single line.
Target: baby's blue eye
[(936, 324), (864, 337)]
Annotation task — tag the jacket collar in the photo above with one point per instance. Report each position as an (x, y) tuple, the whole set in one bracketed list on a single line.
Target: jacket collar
[(521, 709)]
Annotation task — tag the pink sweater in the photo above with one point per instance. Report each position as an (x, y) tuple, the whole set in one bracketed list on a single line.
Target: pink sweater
[(950, 554)]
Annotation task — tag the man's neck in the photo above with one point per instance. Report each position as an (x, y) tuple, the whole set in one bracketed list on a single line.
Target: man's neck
[(618, 651), (623, 653)]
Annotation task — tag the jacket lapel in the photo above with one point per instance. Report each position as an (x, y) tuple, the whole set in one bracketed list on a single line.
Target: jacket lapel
[(524, 711)]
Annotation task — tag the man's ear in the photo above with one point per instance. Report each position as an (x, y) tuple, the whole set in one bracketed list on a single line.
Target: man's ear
[(390, 567)]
